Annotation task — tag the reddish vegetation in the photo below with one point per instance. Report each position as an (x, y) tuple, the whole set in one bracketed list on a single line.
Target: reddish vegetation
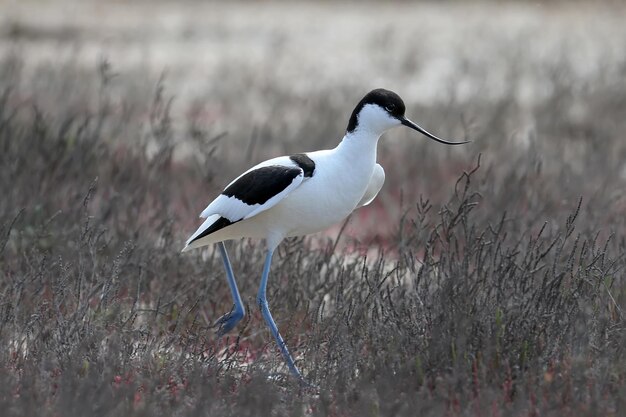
[(491, 290)]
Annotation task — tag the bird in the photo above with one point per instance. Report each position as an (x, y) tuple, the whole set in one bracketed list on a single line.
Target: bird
[(301, 194)]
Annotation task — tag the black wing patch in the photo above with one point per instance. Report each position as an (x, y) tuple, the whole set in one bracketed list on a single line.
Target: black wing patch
[(220, 223), (261, 184), (304, 162)]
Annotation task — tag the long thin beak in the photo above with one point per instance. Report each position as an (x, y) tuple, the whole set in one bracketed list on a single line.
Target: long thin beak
[(423, 131)]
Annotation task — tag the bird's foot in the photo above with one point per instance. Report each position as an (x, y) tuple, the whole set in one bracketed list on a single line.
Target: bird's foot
[(228, 321)]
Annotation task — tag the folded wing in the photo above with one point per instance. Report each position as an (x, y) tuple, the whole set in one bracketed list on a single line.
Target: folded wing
[(256, 190), (376, 183)]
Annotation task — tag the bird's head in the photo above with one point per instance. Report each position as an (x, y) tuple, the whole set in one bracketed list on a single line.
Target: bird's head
[(380, 110)]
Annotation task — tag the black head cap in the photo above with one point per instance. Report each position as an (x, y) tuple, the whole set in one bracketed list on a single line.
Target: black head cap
[(386, 99)]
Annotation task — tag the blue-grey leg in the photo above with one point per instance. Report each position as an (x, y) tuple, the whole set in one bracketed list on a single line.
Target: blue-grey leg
[(229, 320), (265, 310)]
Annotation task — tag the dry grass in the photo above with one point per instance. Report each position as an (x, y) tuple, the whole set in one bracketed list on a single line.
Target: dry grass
[(493, 285)]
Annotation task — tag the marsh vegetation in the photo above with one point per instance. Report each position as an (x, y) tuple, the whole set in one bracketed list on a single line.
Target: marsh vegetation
[(487, 280)]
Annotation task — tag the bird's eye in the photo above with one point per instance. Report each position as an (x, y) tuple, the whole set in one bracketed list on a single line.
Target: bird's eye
[(390, 107)]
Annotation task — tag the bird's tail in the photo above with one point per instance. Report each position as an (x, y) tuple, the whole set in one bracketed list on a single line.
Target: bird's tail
[(192, 243)]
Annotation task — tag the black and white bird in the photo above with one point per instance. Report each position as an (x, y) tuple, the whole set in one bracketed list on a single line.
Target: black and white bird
[(301, 194)]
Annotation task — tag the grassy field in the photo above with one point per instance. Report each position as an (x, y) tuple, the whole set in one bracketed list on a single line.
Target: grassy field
[(486, 280)]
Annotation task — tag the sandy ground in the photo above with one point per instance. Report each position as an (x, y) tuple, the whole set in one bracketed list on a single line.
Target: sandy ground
[(428, 51)]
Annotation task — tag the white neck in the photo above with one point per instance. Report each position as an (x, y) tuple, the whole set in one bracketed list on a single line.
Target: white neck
[(359, 146)]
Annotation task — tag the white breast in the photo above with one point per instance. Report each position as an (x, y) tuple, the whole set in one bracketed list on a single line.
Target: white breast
[(333, 192)]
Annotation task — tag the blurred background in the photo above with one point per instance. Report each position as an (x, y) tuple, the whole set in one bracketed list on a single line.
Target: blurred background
[(541, 79)]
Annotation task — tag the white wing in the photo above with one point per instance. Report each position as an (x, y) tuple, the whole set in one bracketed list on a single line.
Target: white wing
[(205, 225), (376, 183), (256, 190)]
